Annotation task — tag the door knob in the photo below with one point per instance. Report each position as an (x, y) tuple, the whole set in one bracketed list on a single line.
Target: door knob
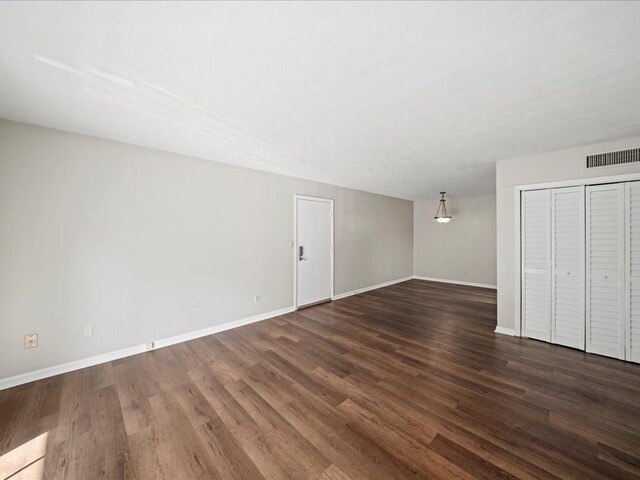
[(301, 259)]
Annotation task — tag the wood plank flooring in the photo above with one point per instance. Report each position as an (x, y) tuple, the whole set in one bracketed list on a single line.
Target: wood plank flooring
[(407, 381)]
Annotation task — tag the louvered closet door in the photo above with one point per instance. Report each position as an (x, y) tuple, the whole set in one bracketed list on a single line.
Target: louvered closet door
[(567, 265), (536, 264), (605, 270), (633, 270)]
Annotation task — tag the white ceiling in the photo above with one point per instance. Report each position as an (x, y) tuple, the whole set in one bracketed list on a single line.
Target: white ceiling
[(404, 99)]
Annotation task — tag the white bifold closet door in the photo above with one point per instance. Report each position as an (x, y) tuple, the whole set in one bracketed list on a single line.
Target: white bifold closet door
[(633, 270), (567, 267), (536, 264), (606, 289)]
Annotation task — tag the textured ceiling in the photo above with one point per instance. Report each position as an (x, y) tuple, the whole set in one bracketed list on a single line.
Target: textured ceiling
[(404, 99)]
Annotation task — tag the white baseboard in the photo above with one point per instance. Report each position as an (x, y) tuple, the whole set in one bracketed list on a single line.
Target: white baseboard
[(70, 366), (127, 352), (373, 287), (185, 337), (456, 282), (505, 331)]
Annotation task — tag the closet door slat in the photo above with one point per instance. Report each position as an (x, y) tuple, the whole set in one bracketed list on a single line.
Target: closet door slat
[(632, 206), (536, 264), (606, 289), (567, 264)]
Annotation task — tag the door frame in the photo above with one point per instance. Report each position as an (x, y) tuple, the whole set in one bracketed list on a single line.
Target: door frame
[(517, 192), (330, 201)]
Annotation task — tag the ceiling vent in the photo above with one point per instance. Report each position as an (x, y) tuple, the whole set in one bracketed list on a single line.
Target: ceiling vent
[(613, 158)]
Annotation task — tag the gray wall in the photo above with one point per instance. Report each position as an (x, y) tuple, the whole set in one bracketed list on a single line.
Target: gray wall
[(145, 244), (463, 249), (548, 167)]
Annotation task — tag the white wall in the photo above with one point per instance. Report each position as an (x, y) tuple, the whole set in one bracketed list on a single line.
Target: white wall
[(548, 167), (463, 249), (145, 244)]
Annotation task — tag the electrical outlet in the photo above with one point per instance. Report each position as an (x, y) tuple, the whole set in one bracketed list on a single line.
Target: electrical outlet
[(256, 298), (31, 340), (87, 331)]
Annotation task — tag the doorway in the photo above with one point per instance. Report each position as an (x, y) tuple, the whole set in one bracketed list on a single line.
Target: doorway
[(313, 250)]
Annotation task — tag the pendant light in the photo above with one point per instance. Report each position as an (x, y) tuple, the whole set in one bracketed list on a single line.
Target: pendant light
[(441, 215)]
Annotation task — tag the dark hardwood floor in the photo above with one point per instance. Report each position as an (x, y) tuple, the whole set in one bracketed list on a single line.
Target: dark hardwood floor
[(407, 381)]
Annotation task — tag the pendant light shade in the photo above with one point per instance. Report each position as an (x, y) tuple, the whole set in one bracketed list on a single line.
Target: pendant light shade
[(441, 215)]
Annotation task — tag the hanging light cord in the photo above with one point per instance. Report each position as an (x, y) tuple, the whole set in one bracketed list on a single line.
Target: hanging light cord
[(442, 215)]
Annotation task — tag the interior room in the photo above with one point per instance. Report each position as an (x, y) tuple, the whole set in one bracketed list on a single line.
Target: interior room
[(319, 240)]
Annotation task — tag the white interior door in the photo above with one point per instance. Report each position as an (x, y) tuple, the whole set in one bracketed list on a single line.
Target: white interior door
[(567, 265), (536, 264), (632, 205), (606, 288), (314, 250)]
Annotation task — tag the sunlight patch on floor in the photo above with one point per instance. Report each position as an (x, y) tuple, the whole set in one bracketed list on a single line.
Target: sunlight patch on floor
[(25, 461)]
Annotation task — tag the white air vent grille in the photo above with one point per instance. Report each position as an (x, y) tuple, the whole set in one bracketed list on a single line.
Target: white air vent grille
[(613, 158)]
